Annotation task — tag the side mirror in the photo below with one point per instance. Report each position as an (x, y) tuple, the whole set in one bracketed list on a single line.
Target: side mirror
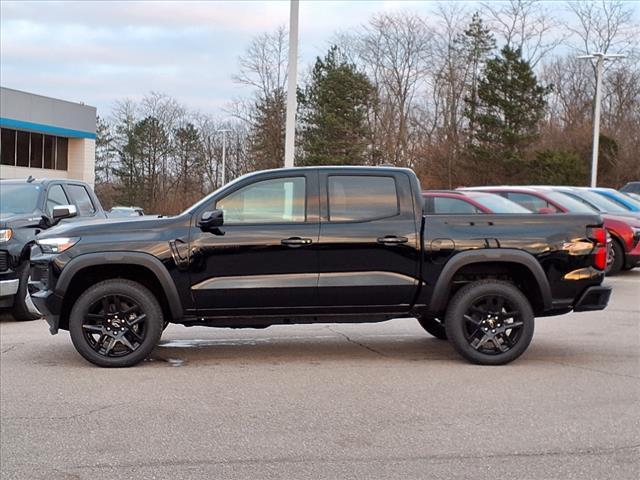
[(211, 220), (63, 211), (546, 210)]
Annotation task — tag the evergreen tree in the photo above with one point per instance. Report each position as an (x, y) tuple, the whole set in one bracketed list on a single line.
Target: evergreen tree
[(508, 110), (267, 131), (474, 45), (333, 112)]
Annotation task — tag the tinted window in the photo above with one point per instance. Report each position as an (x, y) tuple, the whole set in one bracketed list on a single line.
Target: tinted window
[(22, 149), (530, 202), (358, 198), (571, 203), (19, 198), (62, 146), (81, 199), (36, 150), (281, 200), (8, 146), (448, 205), (49, 152), (55, 197)]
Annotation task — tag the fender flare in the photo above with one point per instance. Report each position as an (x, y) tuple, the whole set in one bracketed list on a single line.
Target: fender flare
[(124, 258), (442, 288)]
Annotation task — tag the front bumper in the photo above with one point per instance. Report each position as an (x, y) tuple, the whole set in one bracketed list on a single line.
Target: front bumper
[(593, 298)]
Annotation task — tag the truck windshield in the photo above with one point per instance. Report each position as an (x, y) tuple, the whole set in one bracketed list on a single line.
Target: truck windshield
[(497, 204), (19, 198)]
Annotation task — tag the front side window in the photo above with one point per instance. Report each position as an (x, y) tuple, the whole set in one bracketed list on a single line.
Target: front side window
[(360, 198), (452, 206), (81, 199), (281, 200), (55, 197)]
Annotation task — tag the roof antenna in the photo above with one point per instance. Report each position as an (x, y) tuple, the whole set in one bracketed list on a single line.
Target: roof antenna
[(30, 179)]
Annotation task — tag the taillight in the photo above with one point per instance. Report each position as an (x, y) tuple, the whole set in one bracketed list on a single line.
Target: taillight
[(599, 236)]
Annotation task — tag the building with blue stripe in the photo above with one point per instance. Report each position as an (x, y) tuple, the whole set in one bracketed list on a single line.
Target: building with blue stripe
[(46, 137)]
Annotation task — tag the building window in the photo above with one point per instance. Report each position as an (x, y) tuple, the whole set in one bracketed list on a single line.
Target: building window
[(8, 146), (35, 150), (62, 149), (22, 149)]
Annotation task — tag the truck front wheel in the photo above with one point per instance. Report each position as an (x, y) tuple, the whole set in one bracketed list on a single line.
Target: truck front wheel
[(489, 322), (116, 323)]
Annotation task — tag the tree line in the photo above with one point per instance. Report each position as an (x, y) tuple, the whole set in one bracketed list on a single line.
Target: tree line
[(462, 97)]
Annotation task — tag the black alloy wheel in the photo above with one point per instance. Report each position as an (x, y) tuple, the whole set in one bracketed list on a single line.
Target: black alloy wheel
[(116, 323), (490, 322)]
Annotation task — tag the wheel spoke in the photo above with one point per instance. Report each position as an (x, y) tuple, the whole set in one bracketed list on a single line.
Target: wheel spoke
[(481, 342), (110, 345), (94, 328), (95, 317), (99, 343), (499, 345), (513, 325), (138, 338), (470, 319), (125, 341), (136, 320)]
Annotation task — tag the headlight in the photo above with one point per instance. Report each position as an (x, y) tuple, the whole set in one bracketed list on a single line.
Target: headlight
[(57, 245), (5, 234)]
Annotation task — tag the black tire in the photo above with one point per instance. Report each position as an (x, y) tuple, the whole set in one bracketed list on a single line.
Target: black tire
[(478, 322), (616, 264), (116, 323), (20, 311), (433, 326)]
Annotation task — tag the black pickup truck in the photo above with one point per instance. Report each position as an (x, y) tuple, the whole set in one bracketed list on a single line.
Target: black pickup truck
[(326, 244), (27, 207)]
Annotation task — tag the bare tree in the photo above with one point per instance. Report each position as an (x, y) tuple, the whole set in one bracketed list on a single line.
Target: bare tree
[(526, 25)]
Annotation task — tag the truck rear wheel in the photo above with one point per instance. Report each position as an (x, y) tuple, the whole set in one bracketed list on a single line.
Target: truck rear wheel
[(116, 323), (489, 322), (433, 326)]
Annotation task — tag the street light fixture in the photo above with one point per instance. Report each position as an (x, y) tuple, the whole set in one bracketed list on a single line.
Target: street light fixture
[(600, 58), (224, 152)]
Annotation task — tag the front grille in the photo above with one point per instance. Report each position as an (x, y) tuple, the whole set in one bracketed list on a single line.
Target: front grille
[(4, 260)]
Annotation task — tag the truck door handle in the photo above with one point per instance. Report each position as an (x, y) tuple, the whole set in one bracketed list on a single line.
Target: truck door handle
[(295, 241), (392, 240)]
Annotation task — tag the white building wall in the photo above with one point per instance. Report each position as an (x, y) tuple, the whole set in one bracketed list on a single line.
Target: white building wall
[(82, 155)]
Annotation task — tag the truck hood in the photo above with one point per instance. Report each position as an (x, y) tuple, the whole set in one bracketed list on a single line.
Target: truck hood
[(110, 226), (17, 220)]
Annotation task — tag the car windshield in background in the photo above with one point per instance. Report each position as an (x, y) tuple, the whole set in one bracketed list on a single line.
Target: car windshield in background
[(570, 203), (496, 203), (602, 203), (18, 198)]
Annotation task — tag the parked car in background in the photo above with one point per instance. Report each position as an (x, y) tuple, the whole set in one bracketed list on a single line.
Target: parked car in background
[(597, 202), (28, 207), (452, 202), (118, 212), (631, 187), (621, 199), (624, 229)]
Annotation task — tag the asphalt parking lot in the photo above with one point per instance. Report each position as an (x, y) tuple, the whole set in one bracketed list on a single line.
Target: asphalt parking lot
[(327, 402)]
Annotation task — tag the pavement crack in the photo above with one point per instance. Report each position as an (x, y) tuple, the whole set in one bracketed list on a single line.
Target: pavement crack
[(596, 370), (67, 417), (350, 340), (9, 348)]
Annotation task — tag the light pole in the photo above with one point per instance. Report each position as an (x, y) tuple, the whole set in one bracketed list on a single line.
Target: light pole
[(600, 58), (290, 128), (224, 152)]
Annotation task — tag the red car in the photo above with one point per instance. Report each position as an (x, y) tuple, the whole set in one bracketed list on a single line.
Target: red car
[(447, 202), (624, 231)]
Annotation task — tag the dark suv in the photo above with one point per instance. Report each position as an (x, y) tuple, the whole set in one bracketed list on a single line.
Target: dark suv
[(27, 207)]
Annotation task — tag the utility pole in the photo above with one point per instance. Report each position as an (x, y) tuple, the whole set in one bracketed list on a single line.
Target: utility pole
[(290, 130), (600, 58), (224, 153)]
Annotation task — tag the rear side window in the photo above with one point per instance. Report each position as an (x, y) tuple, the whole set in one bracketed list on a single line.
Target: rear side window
[(81, 199), (359, 198), (452, 206), (530, 202), (55, 197)]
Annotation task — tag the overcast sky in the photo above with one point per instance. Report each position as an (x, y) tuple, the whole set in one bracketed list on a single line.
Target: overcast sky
[(101, 51)]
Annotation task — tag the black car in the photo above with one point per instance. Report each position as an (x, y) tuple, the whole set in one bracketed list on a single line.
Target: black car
[(304, 245), (28, 207)]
